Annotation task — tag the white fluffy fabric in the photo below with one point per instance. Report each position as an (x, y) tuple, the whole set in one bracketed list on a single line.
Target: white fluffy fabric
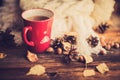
[(102, 10), (75, 15)]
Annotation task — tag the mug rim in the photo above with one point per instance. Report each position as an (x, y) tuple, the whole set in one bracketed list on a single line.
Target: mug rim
[(38, 9)]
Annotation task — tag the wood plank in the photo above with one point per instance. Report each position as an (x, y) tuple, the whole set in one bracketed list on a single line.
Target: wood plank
[(111, 34), (15, 66)]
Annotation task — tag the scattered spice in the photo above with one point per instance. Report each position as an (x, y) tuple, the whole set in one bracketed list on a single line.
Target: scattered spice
[(65, 46), (109, 44)]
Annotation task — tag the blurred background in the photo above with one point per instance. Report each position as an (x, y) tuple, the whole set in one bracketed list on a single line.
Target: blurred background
[(11, 23)]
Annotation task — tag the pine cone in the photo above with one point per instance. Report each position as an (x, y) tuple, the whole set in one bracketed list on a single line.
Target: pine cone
[(57, 43), (93, 41), (102, 27)]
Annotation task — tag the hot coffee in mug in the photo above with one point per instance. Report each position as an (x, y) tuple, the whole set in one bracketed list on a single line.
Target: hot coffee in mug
[(37, 32)]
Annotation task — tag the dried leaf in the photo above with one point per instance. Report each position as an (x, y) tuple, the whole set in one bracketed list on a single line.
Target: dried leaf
[(36, 70), (102, 68), (88, 58), (32, 57), (88, 72)]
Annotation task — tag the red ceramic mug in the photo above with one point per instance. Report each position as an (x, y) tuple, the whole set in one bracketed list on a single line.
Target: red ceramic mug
[(37, 32)]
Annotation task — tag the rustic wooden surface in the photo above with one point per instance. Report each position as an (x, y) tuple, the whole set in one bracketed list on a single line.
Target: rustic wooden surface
[(15, 66)]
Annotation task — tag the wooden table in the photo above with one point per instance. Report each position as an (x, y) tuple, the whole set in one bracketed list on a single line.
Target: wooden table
[(15, 66)]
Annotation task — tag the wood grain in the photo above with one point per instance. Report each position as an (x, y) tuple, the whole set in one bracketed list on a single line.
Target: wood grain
[(15, 66), (111, 35)]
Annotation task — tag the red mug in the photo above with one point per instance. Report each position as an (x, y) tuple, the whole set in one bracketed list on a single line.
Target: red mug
[(37, 32)]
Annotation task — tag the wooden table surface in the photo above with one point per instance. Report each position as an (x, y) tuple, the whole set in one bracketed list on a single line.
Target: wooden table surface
[(15, 66)]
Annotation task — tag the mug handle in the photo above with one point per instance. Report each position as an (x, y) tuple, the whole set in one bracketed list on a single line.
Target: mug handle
[(25, 30)]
